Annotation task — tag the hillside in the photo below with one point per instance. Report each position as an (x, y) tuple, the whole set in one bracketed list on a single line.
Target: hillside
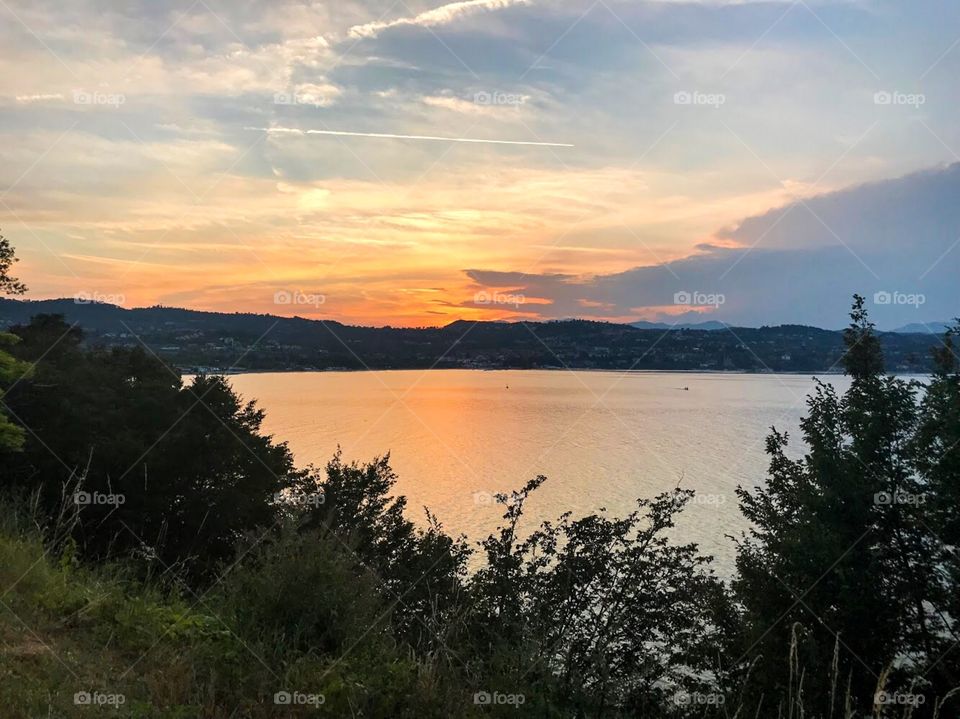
[(215, 341)]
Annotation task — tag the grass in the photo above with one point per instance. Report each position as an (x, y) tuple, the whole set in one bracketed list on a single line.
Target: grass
[(145, 650), (66, 630)]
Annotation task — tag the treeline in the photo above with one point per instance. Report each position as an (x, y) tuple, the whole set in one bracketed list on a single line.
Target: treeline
[(191, 339), (272, 589)]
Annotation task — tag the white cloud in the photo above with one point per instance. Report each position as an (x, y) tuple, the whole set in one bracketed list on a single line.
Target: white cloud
[(472, 106), (40, 97), (437, 16)]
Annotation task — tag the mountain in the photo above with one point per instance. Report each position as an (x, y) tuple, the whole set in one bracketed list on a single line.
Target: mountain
[(222, 342), (937, 328), (709, 325)]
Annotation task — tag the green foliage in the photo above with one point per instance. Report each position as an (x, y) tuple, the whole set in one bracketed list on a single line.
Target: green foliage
[(420, 570), (936, 448), (175, 473), (11, 435), (66, 629), (616, 617), (8, 285), (299, 591), (293, 613), (11, 370), (842, 561)]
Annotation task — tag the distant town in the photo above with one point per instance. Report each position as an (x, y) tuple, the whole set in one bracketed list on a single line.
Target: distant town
[(211, 342)]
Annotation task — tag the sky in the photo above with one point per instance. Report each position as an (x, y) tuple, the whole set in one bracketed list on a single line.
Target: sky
[(413, 163)]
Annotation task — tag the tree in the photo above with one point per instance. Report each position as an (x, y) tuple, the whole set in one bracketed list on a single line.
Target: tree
[(9, 285), (11, 435), (937, 451), (151, 467), (838, 559), (420, 570), (605, 615)]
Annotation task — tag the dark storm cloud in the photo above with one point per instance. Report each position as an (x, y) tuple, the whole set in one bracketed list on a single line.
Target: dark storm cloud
[(897, 242)]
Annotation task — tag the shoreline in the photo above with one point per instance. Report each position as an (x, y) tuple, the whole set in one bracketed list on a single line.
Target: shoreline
[(190, 372)]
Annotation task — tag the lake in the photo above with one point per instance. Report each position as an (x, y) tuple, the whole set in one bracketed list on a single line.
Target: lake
[(603, 439)]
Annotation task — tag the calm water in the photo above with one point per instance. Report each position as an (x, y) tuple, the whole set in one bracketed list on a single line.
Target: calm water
[(602, 438)]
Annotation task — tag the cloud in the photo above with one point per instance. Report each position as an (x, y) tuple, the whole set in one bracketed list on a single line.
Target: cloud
[(431, 18), (896, 242), (479, 104), (40, 98), (920, 209)]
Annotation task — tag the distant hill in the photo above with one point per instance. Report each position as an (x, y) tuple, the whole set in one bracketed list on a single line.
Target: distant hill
[(709, 325), (937, 328), (218, 342), (111, 318)]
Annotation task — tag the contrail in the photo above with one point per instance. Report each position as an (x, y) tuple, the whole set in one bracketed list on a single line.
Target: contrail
[(389, 135)]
